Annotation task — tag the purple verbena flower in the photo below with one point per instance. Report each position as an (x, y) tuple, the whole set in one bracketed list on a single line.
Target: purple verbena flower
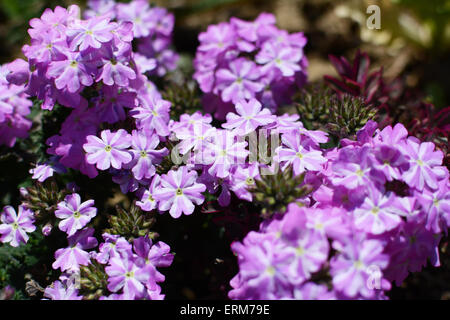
[(109, 151), (15, 226), (179, 191), (74, 214)]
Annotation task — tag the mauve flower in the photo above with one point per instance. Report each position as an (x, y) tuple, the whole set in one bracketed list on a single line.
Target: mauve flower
[(15, 226), (375, 215), (424, 164), (43, 171), (262, 268), (115, 71), (188, 121), (390, 161), (148, 202), (313, 291), (352, 168), (74, 214), (109, 150), (263, 26), (138, 12), (437, 207), (70, 73), (217, 38), (310, 251), (238, 81), (194, 138), (58, 291), (151, 256), (124, 273), (179, 191), (112, 102), (89, 33), (351, 268), (153, 114), (248, 118), (298, 154), (145, 154), (243, 179), (113, 246), (74, 255), (224, 153), (281, 57)]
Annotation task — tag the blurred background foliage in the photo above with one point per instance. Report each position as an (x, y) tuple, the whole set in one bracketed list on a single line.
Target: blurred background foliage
[(413, 44)]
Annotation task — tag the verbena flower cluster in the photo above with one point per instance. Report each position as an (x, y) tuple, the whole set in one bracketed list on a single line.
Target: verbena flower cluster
[(152, 31), (380, 209), (249, 59), (375, 210), (14, 107)]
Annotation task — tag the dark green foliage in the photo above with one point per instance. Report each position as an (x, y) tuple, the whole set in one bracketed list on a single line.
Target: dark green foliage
[(93, 281), (321, 109), (131, 223), (43, 199), (274, 192), (348, 115), (185, 98), (312, 105), (19, 265)]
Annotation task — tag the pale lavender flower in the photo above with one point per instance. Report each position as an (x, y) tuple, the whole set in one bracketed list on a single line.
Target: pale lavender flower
[(138, 12), (58, 291), (375, 214), (248, 118), (70, 73), (224, 153), (15, 226), (148, 202), (113, 246), (179, 191), (124, 273), (243, 179), (390, 161), (74, 214), (262, 268), (310, 251), (153, 114), (281, 57), (437, 206), (74, 255), (217, 38), (195, 138), (115, 72), (424, 164), (188, 121), (350, 269), (313, 291), (239, 81), (89, 33), (43, 171), (352, 168), (108, 151), (298, 154), (145, 154)]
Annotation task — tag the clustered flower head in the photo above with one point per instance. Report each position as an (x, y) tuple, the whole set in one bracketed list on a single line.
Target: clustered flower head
[(152, 31), (381, 208), (249, 59), (89, 65), (374, 209), (15, 105)]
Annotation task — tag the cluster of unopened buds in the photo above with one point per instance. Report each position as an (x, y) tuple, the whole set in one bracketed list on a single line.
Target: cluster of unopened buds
[(378, 205)]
